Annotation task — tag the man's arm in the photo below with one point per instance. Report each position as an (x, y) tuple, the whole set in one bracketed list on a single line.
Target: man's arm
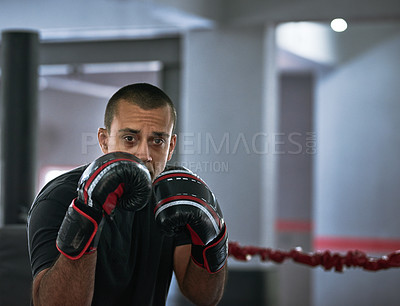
[(184, 203), (113, 179), (67, 282), (198, 285)]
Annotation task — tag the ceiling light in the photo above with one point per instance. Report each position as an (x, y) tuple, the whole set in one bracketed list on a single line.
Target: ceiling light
[(339, 25)]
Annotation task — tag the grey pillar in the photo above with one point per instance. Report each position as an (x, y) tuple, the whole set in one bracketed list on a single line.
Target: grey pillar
[(171, 75), (19, 96)]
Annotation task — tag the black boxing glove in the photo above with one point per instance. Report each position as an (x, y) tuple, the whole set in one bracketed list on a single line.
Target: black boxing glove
[(113, 179), (184, 202)]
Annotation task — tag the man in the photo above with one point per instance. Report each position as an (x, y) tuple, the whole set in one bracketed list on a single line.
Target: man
[(103, 245)]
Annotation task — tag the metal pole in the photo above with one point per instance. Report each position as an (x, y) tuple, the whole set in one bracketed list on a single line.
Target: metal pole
[(19, 100)]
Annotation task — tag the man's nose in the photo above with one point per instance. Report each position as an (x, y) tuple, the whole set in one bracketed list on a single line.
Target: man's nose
[(143, 152)]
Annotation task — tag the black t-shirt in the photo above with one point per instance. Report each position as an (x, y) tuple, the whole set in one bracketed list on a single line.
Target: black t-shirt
[(134, 260)]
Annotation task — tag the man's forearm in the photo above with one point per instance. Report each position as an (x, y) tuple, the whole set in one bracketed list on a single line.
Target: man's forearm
[(201, 287), (68, 282)]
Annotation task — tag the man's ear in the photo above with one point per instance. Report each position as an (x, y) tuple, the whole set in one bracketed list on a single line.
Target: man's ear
[(172, 145), (102, 136)]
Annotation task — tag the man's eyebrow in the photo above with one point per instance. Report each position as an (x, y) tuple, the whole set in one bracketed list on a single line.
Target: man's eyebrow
[(128, 130), (132, 131), (161, 134)]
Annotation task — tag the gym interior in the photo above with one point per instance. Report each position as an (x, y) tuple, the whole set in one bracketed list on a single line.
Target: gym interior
[(292, 122)]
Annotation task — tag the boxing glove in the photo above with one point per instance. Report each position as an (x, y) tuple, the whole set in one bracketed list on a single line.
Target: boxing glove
[(184, 202), (113, 179)]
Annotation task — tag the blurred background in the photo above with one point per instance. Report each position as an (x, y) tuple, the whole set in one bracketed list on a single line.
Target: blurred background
[(292, 120)]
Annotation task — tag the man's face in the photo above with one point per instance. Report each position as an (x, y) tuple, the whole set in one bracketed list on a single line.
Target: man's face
[(147, 134)]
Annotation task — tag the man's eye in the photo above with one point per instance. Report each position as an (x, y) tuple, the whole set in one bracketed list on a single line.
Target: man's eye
[(158, 141), (129, 138)]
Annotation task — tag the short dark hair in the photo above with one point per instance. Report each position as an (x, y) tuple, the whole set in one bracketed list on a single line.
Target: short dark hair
[(144, 95)]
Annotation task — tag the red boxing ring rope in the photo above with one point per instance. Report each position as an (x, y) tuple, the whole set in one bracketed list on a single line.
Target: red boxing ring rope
[(326, 259)]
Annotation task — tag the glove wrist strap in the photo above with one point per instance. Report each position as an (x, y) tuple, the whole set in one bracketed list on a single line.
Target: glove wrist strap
[(212, 256), (80, 230)]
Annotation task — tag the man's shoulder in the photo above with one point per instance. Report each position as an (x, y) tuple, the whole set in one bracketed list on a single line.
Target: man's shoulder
[(62, 186)]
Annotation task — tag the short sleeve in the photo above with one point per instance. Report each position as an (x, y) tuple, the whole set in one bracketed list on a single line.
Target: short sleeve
[(44, 221)]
